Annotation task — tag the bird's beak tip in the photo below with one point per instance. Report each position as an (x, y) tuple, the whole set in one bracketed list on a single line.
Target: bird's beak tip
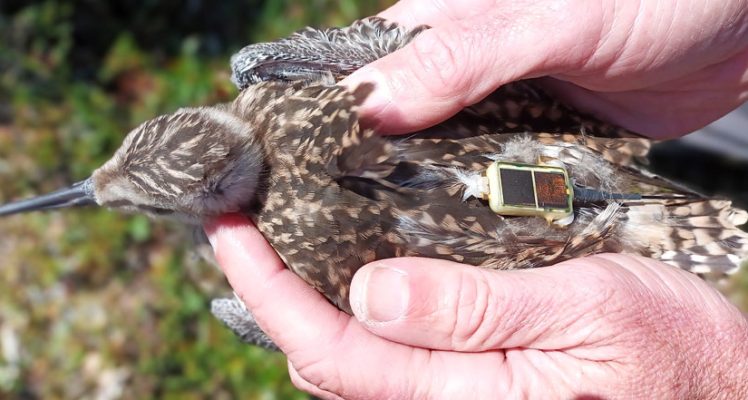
[(76, 195)]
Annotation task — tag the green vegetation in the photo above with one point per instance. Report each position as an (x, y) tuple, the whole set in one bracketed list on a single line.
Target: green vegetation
[(92, 303)]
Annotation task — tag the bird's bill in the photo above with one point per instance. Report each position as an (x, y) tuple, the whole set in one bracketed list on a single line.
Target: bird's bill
[(78, 194)]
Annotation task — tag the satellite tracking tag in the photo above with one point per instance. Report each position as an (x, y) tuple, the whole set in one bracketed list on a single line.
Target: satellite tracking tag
[(529, 190)]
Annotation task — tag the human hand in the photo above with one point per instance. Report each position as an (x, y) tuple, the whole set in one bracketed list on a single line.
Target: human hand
[(608, 326), (658, 68)]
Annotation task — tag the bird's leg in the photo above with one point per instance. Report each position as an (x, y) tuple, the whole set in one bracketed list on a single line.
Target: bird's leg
[(311, 54), (235, 315)]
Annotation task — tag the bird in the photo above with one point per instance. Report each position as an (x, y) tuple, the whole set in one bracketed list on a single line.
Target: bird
[(331, 194)]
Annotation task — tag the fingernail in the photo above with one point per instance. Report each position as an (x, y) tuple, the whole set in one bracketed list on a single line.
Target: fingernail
[(380, 98), (386, 295)]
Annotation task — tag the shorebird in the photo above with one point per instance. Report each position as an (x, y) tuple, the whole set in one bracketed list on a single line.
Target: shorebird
[(516, 181)]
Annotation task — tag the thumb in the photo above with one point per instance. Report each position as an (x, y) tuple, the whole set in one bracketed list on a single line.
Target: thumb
[(451, 66), (443, 305)]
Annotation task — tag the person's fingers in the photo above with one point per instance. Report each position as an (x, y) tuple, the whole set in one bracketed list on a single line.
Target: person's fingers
[(320, 341), (306, 386), (330, 353), (413, 13), (291, 312), (449, 306), (666, 109), (449, 67), (432, 78)]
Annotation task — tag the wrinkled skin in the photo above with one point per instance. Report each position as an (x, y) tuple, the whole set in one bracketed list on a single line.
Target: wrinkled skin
[(660, 68), (608, 326)]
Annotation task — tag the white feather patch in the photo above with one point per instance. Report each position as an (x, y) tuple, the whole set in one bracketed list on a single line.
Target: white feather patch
[(473, 182)]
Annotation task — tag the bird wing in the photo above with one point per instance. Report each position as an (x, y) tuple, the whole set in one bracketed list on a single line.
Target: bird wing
[(342, 196), (310, 53), (672, 223)]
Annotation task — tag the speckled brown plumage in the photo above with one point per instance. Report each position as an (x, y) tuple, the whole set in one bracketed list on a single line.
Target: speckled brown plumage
[(337, 197)]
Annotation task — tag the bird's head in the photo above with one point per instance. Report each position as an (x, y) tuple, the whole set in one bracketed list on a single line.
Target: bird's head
[(194, 163)]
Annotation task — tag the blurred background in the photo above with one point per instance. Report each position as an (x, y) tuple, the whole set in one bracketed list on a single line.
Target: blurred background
[(98, 305)]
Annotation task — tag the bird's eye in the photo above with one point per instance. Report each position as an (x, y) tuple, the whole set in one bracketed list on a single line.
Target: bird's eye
[(156, 210)]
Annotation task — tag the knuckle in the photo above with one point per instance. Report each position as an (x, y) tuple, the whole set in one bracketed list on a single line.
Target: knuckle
[(439, 62), (318, 374), (475, 310), (296, 379)]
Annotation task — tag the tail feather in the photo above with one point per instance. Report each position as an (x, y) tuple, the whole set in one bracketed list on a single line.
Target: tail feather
[(700, 236), (700, 264)]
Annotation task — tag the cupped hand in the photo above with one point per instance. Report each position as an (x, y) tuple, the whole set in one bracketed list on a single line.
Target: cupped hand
[(660, 68), (608, 326)]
